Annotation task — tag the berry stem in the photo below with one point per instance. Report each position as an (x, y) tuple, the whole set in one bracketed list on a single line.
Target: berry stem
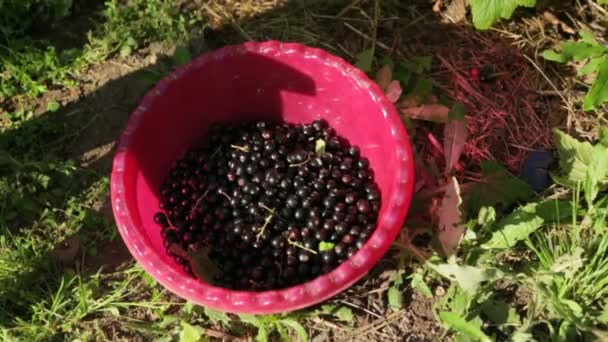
[(197, 203), (263, 227), (240, 148), (302, 163), (296, 244)]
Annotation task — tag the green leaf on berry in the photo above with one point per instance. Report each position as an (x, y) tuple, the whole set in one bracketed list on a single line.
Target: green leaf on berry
[(326, 246), (320, 147)]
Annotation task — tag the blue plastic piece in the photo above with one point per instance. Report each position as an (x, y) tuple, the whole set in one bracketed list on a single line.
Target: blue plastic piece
[(535, 170)]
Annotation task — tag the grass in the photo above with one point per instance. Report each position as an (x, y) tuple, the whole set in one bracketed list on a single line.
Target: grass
[(531, 265)]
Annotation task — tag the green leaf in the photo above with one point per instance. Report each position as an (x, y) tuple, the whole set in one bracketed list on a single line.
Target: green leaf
[(500, 312), (181, 56), (554, 56), (297, 327), (575, 158), (217, 316), (598, 94), (345, 314), (487, 12), (251, 319), (523, 221), (419, 284), (364, 59), (592, 66), (320, 147), (457, 112), (604, 136), (53, 106), (395, 297), (496, 187), (458, 323), (419, 64), (603, 317), (190, 333), (326, 246), (486, 216), (469, 278)]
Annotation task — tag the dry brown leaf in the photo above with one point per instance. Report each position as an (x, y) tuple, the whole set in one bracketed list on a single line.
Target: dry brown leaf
[(430, 112), (437, 6), (66, 251), (454, 137), (456, 11), (451, 228), (393, 91), (384, 76), (413, 100)]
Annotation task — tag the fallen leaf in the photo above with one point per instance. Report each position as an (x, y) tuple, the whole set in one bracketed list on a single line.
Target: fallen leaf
[(66, 251), (384, 76), (432, 112), (437, 6), (451, 228), (454, 137), (456, 11), (364, 59), (393, 91), (469, 278)]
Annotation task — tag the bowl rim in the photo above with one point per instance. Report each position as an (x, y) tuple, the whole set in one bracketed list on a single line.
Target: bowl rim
[(298, 296)]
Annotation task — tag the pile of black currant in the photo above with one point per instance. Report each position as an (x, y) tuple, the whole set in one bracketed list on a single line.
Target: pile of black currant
[(271, 204)]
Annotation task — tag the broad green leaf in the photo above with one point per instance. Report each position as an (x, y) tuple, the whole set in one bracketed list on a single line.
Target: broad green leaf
[(326, 246), (190, 333), (297, 327), (523, 221), (522, 336), (459, 323), (487, 12), (588, 37), (53, 106), (395, 297), (251, 319), (320, 147), (486, 216), (455, 135), (217, 316), (469, 278), (603, 317), (604, 136), (574, 307), (496, 187), (592, 66), (181, 56), (500, 312), (345, 314), (364, 59), (451, 227), (577, 51), (575, 158), (419, 284), (598, 94), (418, 65)]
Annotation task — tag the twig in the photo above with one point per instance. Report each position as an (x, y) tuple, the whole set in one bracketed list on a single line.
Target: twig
[(295, 244), (360, 308), (196, 204), (566, 102), (240, 148), (302, 163), (365, 36)]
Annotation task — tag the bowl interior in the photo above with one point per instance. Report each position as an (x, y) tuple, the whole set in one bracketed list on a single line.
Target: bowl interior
[(252, 85)]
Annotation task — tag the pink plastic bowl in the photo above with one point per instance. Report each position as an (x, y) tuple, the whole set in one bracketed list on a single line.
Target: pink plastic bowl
[(268, 80)]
